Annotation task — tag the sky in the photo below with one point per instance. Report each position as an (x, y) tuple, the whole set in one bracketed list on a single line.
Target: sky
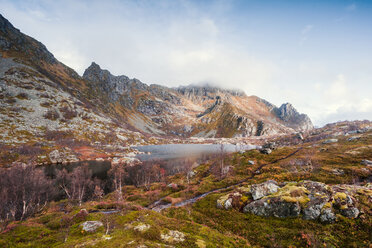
[(316, 55)]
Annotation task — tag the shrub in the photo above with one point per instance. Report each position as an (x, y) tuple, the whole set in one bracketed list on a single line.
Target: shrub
[(45, 104), (22, 96), (68, 113), (10, 100), (51, 114)]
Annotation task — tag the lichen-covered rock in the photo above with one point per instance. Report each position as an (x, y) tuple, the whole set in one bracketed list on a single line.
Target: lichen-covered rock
[(350, 212), (312, 212), (228, 203), (91, 226), (141, 227), (327, 216), (314, 200), (221, 201), (260, 190), (173, 236), (276, 207)]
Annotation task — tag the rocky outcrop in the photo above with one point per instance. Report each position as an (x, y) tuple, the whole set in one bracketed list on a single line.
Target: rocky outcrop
[(293, 118), (309, 199)]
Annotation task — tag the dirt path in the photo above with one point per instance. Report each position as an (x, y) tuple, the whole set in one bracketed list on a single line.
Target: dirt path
[(157, 206)]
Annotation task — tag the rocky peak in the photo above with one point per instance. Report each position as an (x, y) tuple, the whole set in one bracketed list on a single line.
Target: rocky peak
[(11, 39), (96, 74), (287, 113)]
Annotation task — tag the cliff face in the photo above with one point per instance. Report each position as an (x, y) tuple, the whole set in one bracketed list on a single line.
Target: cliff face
[(201, 111)]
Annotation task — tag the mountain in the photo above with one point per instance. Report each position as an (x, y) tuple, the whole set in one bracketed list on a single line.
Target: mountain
[(202, 111), (47, 105)]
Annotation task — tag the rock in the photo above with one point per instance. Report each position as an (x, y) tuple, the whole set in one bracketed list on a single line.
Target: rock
[(313, 208), (265, 151), (173, 236), (350, 212), (55, 157), (260, 190), (366, 162), (221, 201), (172, 185), (327, 216), (91, 226), (270, 145), (328, 141), (275, 206), (251, 162), (338, 172), (59, 157), (228, 203), (142, 227), (191, 174), (353, 138), (299, 136)]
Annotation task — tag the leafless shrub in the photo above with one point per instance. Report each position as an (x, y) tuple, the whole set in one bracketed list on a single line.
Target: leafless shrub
[(68, 113), (77, 185), (22, 96), (51, 114), (11, 100), (45, 104), (24, 190), (28, 150), (39, 88), (45, 95)]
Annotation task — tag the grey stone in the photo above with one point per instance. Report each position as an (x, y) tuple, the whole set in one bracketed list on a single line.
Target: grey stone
[(265, 150), (275, 207), (260, 190), (350, 212), (327, 216), (91, 226), (228, 203), (328, 141), (366, 162)]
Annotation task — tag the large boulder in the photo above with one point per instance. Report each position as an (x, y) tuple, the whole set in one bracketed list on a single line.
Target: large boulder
[(276, 207), (260, 190), (312, 200)]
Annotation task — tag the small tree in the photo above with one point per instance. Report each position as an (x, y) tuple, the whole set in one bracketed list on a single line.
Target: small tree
[(76, 184), (118, 174), (221, 158)]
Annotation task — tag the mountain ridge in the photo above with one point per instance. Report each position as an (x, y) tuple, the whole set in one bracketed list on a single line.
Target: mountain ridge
[(45, 95)]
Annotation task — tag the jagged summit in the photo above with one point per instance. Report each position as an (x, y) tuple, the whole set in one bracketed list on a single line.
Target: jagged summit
[(289, 114), (13, 41)]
